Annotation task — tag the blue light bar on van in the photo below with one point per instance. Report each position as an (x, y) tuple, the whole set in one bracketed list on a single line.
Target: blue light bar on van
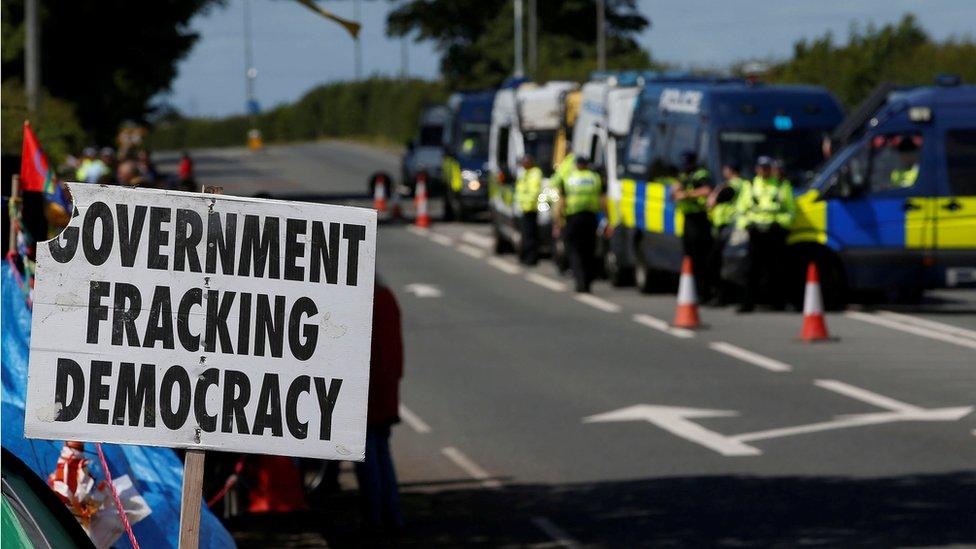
[(782, 122)]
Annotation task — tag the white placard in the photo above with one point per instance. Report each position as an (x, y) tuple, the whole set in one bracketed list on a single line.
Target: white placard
[(204, 321)]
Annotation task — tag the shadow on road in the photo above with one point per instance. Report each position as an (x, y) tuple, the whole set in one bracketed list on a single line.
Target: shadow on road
[(693, 511)]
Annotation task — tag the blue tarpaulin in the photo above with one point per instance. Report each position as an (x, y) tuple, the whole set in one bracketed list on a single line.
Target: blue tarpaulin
[(156, 473)]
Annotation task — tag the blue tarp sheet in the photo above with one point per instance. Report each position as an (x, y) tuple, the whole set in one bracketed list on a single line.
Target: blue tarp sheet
[(156, 473)]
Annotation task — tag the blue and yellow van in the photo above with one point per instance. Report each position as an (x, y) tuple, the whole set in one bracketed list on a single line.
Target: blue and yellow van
[(465, 164), (724, 122)]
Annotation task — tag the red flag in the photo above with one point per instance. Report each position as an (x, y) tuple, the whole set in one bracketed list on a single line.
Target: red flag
[(34, 172)]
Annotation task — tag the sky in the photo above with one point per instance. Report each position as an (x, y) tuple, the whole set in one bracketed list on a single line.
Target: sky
[(295, 50)]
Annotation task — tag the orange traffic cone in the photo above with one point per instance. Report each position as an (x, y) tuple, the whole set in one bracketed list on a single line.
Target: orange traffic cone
[(379, 194), (814, 326), (686, 315), (423, 218)]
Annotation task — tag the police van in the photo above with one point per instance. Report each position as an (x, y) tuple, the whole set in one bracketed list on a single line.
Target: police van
[(527, 118), (465, 165), (724, 121), (895, 210)]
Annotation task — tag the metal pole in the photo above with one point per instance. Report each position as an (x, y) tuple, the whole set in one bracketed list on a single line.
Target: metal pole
[(32, 55), (519, 70), (358, 45), (601, 36), (533, 41)]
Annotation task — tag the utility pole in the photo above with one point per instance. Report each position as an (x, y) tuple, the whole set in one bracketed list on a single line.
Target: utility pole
[(358, 45), (32, 55), (533, 41), (601, 35), (519, 70)]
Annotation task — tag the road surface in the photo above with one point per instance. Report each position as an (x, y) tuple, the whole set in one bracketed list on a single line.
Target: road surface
[(533, 416)]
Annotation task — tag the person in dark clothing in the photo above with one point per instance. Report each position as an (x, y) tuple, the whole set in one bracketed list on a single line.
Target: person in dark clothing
[(376, 475)]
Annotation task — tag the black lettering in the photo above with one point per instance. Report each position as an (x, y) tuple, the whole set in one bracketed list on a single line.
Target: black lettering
[(268, 328), (297, 428), (190, 342), (129, 238), (219, 242), (174, 419), (128, 303), (69, 370), (260, 245), (158, 237), (207, 422), (97, 289), (98, 211), (98, 391), (294, 249), (324, 254), (327, 396), (302, 350), (62, 252), (269, 407), (137, 397), (160, 323), (244, 325), (185, 245), (237, 392), (354, 234), (217, 321)]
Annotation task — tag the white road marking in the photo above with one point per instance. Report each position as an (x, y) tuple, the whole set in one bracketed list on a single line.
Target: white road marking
[(503, 265), (479, 240), (419, 231), (422, 290), (912, 329), (598, 303), (748, 356), (441, 239), (926, 323), (413, 420), (545, 281), (470, 467), (470, 250), (866, 396), (660, 325), (559, 536)]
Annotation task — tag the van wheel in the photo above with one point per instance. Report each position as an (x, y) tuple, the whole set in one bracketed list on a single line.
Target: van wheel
[(618, 275)]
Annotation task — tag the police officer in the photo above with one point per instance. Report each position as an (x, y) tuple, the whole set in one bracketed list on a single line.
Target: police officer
[(690, 193), (721, 213), (580, 201), (527, 189), (765, 207)]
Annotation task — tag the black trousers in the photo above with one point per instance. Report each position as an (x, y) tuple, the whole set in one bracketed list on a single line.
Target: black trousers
[(580, 235), (529, 228), (767, 246), (697, 243)]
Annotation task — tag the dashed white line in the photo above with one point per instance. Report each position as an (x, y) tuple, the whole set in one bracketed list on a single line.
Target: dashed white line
[(866, 396), (413, 420), (559, 536), (470, 467), (660, 325), (926, 323), (598, 303), (470, 250), (545, 282), (745, 355), (503, 265), (912, 329), (441, 239), (479, 240)]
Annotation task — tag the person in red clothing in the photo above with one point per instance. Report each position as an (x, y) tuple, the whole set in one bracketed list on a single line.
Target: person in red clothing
[(376, 475)]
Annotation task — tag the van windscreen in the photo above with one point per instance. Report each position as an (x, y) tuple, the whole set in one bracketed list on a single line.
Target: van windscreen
[(801, 151)]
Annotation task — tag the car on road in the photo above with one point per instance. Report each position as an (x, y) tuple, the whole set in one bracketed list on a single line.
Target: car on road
[(425, 151), (464, 169)]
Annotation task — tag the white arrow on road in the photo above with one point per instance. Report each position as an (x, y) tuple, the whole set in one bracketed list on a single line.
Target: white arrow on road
[(424, 290), (677, 421)]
